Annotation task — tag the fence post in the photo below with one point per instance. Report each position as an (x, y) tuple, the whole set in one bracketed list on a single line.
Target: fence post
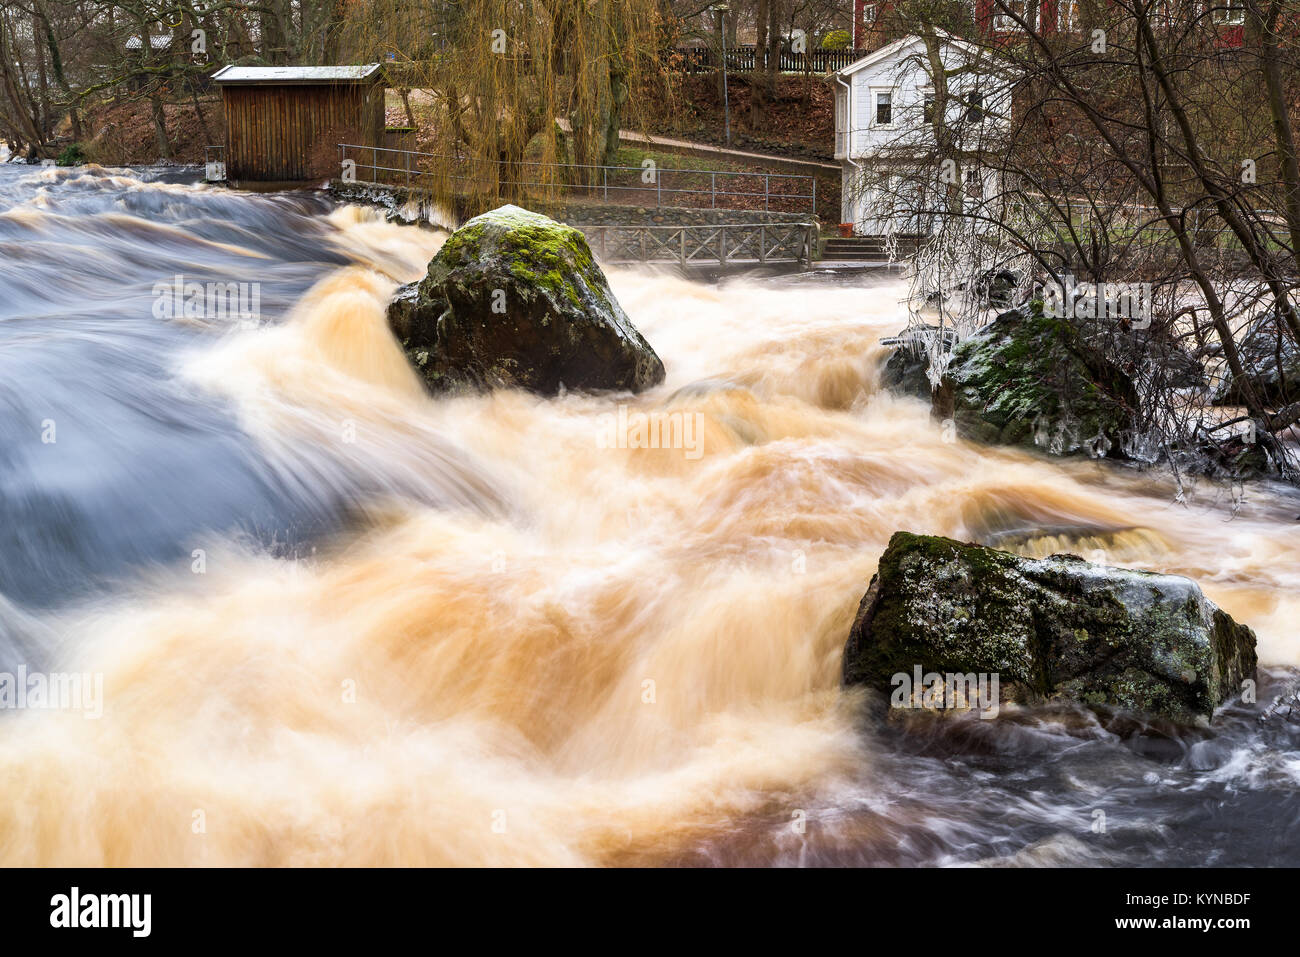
[(722, 245), (604, 180), (814, 196), (645, 255), (659, 188), (713, 190), (767, 190), (683, 235), (762, 244)]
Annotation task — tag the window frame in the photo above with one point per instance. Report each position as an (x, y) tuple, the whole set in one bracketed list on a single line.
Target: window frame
[(843, 122), (876, 93)]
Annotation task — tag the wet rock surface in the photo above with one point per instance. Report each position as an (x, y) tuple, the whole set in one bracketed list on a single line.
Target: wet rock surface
[(1058, 628), (515, 300)]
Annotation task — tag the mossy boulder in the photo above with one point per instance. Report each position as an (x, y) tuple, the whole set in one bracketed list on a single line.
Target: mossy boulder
[(1052, 628), (1031, 380), (515, 300)]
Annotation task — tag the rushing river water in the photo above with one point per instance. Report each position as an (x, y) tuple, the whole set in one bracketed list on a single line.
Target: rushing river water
[(340, 622)]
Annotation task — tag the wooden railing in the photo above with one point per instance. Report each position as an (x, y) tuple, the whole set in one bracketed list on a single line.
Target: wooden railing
[(720, 244)]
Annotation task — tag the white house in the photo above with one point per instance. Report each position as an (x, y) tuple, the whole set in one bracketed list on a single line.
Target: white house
[(894, 181)]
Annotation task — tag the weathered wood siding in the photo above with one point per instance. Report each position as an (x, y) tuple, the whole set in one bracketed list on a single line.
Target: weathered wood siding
[(290, 133)]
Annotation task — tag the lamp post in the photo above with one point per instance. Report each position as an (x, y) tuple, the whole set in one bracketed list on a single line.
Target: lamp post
[(721, 10)]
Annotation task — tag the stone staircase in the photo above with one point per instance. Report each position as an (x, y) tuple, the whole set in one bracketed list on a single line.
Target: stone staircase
[(866, 249)]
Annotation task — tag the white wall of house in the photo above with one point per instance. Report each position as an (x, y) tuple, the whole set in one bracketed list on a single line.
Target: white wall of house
[(881, 119)]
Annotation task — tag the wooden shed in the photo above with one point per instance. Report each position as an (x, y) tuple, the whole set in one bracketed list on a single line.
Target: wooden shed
[(284, 124)]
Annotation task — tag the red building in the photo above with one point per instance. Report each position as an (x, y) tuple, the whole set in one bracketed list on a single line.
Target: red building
[(873, 26)]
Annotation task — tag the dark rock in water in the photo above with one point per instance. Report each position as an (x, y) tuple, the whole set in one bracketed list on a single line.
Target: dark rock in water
[(998, 287), (1224, 457), (907, 370), (1029, 379), (515, 300), (992, 288), (1152, 353), (1178, 368), (1271, 360), (1057, 628)]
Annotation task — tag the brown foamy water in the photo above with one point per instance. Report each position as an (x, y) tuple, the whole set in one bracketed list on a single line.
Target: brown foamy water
[(583, 653)]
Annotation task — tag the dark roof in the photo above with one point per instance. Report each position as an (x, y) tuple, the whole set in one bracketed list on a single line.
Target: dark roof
[(296, 75)]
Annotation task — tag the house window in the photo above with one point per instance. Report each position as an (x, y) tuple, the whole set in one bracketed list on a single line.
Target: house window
[(975, 107), (841, 123), (1067, 16), (927, 107), (869, 14), (884, 108), (1229, 11), (1004, 21)]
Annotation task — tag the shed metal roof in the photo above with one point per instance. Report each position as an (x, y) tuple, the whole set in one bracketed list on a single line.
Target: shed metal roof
[(290, 75)]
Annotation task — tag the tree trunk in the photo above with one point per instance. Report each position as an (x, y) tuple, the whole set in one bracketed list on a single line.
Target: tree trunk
[(613, 118), (720, 25), (160, 126), (198, 113), (773, 45), (758, 92), (1263, 34)]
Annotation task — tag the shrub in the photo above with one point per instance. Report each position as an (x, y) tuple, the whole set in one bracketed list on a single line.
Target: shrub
[(72, 155), (836, 40)]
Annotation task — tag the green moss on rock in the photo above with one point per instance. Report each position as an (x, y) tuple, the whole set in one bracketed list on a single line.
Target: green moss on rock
[(1051, 628), (1029, 379), (514, 299)]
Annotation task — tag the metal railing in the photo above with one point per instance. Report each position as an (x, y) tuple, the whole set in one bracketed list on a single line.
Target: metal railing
[(721, 244), (214, 164), (630, 185), (746, 59)]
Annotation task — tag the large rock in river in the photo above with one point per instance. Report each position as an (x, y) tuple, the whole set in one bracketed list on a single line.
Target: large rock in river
[(515, 300), (1049, 628), (1271, 360), (1029, 379)]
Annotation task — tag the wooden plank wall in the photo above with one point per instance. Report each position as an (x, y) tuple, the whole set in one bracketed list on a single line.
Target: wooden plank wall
[(290, 133)]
